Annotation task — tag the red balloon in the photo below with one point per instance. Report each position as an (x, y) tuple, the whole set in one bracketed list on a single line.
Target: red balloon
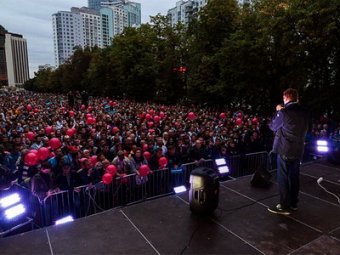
[(150, 124), (145, 147), (147, 155), (43, 153), (239, 114), (162, 115), (30, 135), (70, 132), (82, 160), (163, 161), (71, 114), (254, 120), (29, 107), (115, 130), (156, 118), (107, 178), (151, 130), (55, 143), (89, 108), (36, 110), (191, 116), (111, 169), (147, 116), (144, 170), (48, 130), (31, 159), (90, 121), (111, 103), (222, 115), (34, 151), (93, 160), (83, 107), (88, 115), (152, 111), (239, 121)]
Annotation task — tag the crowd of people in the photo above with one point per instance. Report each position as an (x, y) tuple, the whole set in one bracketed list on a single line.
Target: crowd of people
[(90, 134)]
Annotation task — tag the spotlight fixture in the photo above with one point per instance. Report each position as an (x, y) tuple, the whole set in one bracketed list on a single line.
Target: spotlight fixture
[(9, 200), (220, 161), (322, 146), (64, 220), (180, 189), (14, 211)]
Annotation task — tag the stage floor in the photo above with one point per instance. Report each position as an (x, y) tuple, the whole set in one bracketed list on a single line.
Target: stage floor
[(240, 225)]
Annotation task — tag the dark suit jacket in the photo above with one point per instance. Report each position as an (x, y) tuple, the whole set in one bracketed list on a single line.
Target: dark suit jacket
[(290, 126)]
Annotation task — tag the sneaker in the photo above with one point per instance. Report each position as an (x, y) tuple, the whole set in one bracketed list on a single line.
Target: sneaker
[(293, 208), (278, 210)]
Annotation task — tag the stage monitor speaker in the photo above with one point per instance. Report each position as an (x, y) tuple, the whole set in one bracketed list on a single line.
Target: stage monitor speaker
[(334, 157), (204, 190), (261, 178)]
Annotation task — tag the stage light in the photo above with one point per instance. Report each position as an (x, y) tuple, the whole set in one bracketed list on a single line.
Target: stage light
[(223, 169), (220, 161), (322, 149), (322, 146), (321, 143), (64, 220), (180, 189), (9, 200), (14, 211)]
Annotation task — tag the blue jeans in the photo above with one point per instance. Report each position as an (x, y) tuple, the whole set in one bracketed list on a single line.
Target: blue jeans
[(288, 174)]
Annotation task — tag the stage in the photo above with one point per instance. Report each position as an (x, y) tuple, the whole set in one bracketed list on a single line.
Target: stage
[(240, 225)]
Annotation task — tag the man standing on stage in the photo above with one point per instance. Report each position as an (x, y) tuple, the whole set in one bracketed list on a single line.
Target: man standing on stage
[(290, 126)]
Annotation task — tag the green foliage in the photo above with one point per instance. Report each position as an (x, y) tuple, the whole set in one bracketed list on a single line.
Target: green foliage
[(234, 54)]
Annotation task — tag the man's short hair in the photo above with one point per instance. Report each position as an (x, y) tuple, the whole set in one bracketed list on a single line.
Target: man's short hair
[(292, 94)]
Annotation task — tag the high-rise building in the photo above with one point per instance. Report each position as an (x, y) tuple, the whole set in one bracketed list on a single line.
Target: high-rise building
[(97, 4), (185, 10), (78, 27), (14, 69), (96, 25), (116, 15), (3, 67)]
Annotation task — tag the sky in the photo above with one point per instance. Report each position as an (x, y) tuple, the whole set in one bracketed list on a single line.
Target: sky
[(33, 20)]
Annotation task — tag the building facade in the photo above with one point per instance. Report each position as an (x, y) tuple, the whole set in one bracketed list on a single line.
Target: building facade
[(79, 27), (185, 10), (3, 67), (14, 70), (95, 26)]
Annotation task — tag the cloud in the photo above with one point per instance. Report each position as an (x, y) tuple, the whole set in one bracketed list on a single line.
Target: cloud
[(33, 19)]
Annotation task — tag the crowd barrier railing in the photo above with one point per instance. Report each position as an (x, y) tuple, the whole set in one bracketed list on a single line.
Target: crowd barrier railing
[(90, 199)]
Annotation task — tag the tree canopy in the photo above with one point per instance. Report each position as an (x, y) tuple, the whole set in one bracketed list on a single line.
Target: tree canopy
[(241, 54)]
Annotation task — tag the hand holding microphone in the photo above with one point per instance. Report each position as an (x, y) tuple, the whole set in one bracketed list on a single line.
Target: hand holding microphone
[(279, 107)]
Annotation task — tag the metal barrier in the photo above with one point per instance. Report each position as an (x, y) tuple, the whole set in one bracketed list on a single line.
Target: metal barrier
[(188, 167), (90, 199)]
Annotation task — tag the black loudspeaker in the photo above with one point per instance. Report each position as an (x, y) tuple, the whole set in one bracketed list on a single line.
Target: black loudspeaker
[(204, 190), (261, 178), (334, 157)]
